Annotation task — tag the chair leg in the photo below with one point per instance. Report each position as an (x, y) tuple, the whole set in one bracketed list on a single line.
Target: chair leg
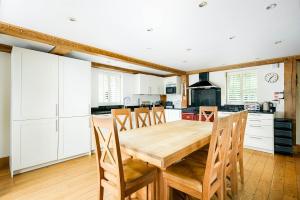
[(241, 166), (166, 191), (234, 183), (153, 191), (101, 193)]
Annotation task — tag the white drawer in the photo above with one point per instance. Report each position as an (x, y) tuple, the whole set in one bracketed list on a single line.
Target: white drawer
[(259, 130), (260, 122), (259, 143), (260, 116)]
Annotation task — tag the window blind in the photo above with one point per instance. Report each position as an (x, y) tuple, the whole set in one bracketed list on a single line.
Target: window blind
[(241, 87), (109, 91)]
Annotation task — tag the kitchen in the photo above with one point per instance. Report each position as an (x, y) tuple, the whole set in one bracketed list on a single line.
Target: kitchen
[(86, 114)]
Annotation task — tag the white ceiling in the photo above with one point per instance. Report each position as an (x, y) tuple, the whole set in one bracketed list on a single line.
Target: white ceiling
[(121, 26)]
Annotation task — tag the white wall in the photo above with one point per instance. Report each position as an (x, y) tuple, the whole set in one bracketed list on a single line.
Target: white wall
[(265, 90), (4, 103)]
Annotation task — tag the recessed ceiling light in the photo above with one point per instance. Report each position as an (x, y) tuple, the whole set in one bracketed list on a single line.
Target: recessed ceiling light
[(202, 4), (271, 6), (72, 19), (150, 29), (232, 37), (278, 42), (188, 49)]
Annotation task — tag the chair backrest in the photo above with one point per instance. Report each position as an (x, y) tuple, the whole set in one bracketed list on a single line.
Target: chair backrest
[(208, 113), (142, 116), (159, 116), (244, 116), (214, 170), (108, 155), (122, 116), (232, 149)]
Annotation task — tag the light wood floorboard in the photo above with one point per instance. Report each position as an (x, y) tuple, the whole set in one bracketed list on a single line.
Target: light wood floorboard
[(267, 177)]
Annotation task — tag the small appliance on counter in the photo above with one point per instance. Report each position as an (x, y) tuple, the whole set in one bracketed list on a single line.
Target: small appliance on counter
[(252, 106), (268, 107), (169, 105)]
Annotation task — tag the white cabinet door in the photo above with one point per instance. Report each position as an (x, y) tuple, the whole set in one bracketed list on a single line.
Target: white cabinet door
[(35, 142), (74, 136), (74, 87), (34, 84)]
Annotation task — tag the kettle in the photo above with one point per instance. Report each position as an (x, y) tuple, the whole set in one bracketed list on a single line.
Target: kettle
[(266, 106)]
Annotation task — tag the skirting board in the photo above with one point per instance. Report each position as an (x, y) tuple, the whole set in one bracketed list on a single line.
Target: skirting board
[(4, 162), (296, 148)]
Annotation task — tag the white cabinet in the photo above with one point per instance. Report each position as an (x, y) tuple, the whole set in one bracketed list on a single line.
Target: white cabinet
[(74, 87), (34, 84), (74, 136), (147, 84), (259, 134), (35, 142), (50, 108), (172, 115)]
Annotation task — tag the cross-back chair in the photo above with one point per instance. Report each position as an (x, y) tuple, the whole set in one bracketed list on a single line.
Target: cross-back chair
[(198, 180), (231, 160), (126, 113), (208, 113), (240, 151), (119, 179), (141, 121), (159, 116)]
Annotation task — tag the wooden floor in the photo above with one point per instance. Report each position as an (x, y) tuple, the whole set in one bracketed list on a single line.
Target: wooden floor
[(266, 177)]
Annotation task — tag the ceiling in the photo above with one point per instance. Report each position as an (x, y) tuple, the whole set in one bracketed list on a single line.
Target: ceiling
[(182, 35)]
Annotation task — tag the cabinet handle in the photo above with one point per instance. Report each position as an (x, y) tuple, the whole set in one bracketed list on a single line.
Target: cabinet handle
[(56, 125), (256, 137), (256, 126), (56, 109), (254, 120)]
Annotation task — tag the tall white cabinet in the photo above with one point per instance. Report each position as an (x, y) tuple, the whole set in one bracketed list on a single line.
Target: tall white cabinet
[(50, 108)]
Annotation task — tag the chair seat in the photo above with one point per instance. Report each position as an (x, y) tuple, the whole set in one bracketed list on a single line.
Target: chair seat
[(136, 170), (188, 173), (199, 156)]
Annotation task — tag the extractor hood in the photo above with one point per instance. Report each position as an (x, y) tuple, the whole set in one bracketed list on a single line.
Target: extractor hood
[(203, 82)]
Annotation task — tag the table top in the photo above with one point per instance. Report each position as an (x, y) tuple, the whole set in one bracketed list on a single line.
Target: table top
[(164, 144)]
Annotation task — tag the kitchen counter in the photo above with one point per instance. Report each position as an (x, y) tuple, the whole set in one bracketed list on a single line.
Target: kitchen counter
[(258, 112)]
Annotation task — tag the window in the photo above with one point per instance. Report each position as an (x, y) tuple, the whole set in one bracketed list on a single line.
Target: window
[(109, 88), (241, 87)]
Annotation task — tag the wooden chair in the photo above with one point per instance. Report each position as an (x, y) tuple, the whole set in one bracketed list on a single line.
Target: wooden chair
[(117, 113), (159, 116), (231, 161), (202, 181), (240, 151), (119, 179), (141, 121), (208, 113)]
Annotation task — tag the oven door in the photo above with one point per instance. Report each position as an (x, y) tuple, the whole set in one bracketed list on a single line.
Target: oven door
[(170, 90)]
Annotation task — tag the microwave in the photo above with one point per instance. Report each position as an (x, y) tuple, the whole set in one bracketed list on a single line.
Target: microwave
[(171, 90)]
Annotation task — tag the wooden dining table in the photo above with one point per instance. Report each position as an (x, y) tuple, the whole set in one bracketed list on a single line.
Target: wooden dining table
[(165, 144)]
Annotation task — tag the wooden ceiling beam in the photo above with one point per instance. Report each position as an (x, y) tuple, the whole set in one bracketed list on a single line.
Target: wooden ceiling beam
[(8, 48), (24, 33), (121, 69), (247, 64), (58, 50), (5, 48)]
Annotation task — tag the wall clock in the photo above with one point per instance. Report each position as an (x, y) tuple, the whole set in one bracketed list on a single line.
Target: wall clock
[(271, 77)]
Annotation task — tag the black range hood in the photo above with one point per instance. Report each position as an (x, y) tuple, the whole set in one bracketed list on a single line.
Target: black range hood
[(203, 82)]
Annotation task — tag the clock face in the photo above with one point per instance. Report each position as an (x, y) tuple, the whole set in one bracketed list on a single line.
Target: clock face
[(271, 77)]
